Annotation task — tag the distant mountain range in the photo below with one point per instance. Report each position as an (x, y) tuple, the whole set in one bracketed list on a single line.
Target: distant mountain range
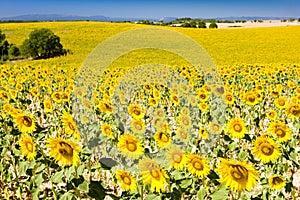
[(56, 17)]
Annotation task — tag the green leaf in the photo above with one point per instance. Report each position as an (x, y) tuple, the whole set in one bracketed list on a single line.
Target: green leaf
[(38, 179), (69, 172), (96, 190), (57, 177), (201, 193), (242, 155), (153, 197), (67, 196), (232, 146), (40, 168), (177, 175), (108, 163), (22, 168), (84, 186), (186, 183), (220, 194), (80, 169)]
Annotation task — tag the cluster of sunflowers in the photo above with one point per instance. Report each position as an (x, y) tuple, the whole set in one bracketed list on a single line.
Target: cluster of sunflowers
[(150, 133)]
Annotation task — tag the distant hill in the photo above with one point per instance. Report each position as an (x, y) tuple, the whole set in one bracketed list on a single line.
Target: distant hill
[(56, 17)]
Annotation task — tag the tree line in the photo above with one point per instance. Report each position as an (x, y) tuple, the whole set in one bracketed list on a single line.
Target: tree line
[(41, 44)]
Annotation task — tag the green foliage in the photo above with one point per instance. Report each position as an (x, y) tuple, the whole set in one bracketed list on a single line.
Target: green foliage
[(42, 43), (13, 52), (213, 25)]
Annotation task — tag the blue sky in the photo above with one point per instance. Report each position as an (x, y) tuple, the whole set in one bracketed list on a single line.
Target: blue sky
[(153, 8)]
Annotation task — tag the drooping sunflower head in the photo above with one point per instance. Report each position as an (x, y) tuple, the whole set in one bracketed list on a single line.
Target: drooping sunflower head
[(130, 146), (27, 146), (65, 152), (265, 149), (276, 182), (25, 122), (105, 106), (126, 180), (236, 128), (176, 157), (197, 165), (237, 175), (153, 174)]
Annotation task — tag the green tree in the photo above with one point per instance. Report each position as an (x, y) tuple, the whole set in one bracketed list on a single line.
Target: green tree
[(13, 52), (4, 46), (201, 24), (42, 43), (213, 25)]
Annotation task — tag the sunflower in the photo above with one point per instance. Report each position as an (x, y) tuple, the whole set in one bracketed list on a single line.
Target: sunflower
[(56, 96), (202, 96), (153, 174), (135, 111), (250, 98), (48, 106), (185, 121), (203, 107), (182, 134), (281, 102), (107, 130), (214, 127), (160, 112), (138, 126), (162, 138), (276, 182), (176, 157), (158, 123), (197, 165), (130, 146), (105, 106), (272, 114), (153, 102), (280, 130), (156, 94), (64, 151), (293, 110), (25, 122), (237, 175), (229, 98), (4, 95), (236, 128), (265, 149), (27, 146), (34, 92), (175, 99), (69, 124), (203, 133), (126, 180)]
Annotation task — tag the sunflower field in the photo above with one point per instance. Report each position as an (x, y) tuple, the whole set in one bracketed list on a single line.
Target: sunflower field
[(162, 131)]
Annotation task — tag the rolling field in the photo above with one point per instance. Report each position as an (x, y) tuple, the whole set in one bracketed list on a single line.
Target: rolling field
[(138, 131)]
